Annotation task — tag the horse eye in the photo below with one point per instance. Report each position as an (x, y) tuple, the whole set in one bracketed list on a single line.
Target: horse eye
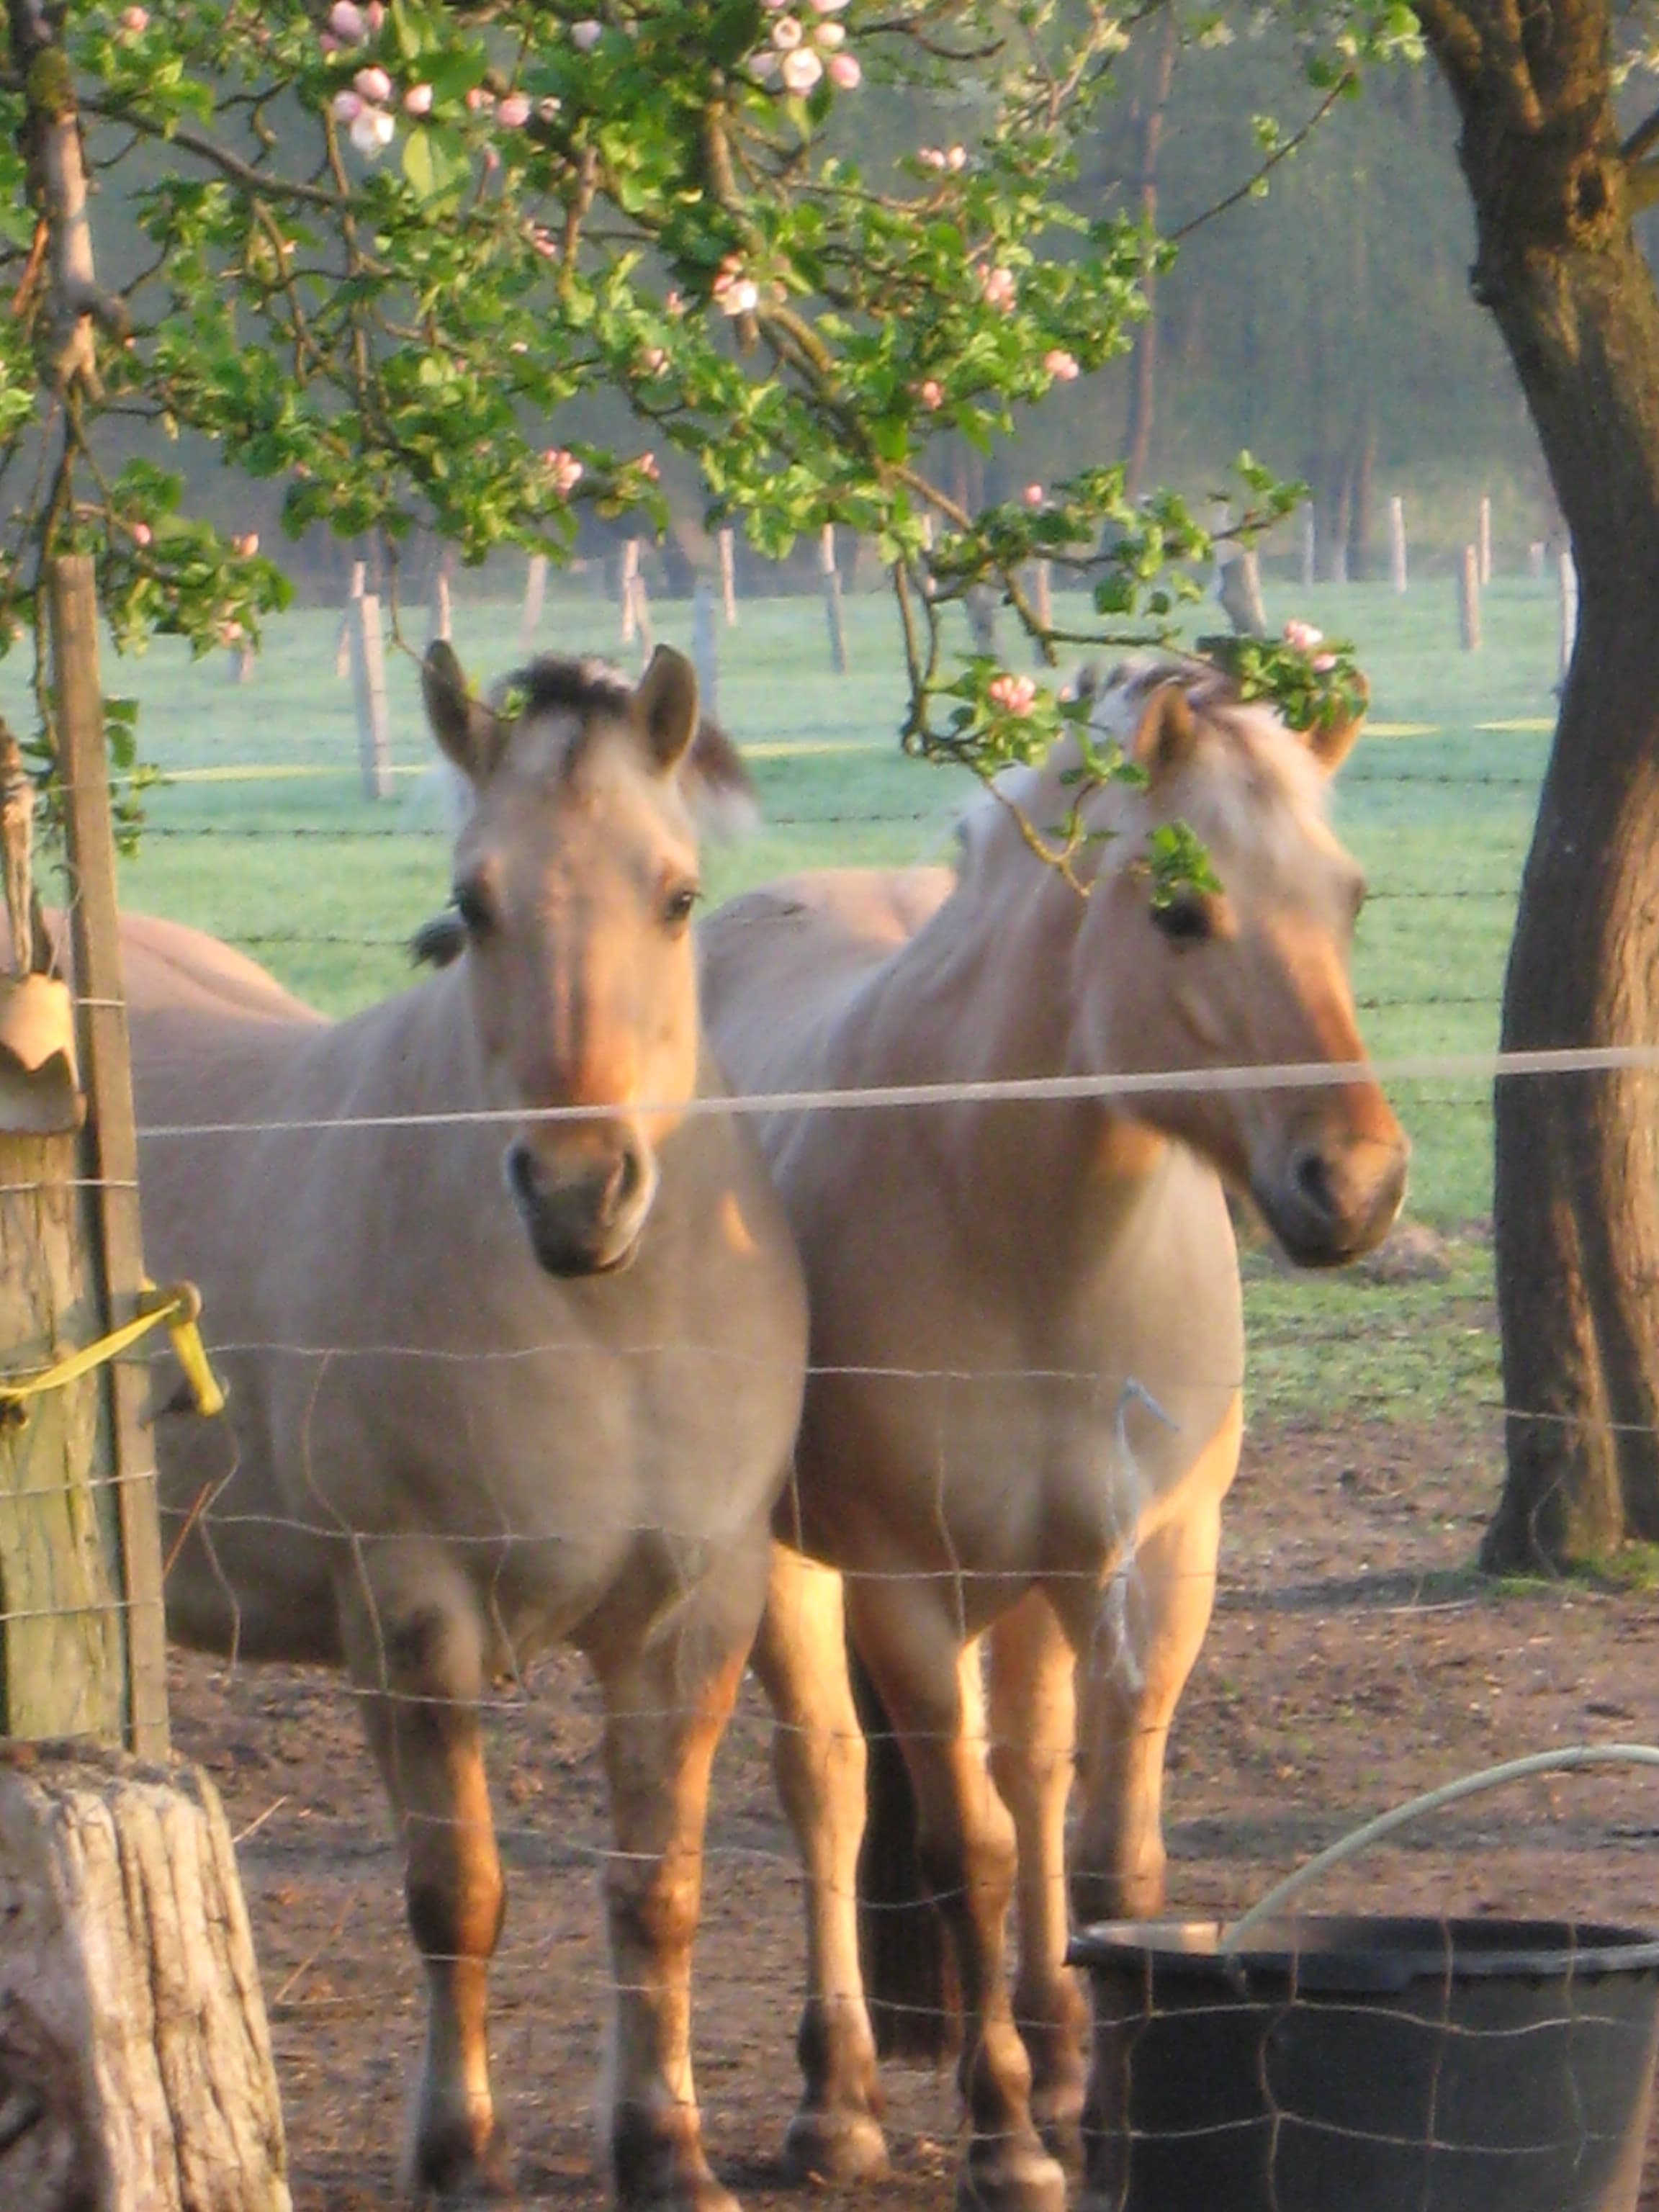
[(474, 909), (1184, 920), (677, 906)]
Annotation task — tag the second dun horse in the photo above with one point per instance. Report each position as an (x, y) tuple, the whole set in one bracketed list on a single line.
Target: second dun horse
[(1024, 1407), (514, 1331)]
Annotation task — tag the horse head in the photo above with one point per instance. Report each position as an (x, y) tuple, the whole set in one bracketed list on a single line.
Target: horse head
[(1253, 974), (574, 880)]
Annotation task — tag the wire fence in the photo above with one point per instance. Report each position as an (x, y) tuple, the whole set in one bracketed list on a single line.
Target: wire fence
[(1353, 1654)]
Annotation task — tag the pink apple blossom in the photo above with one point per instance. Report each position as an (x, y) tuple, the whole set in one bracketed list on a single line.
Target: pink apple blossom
[(654, 360), (515, 112), (564, 467), (765, 65), (373, 131), (826, 37), (586, 36), (141, 533), (417, 101), (345, 20), (673, 302), (845, 71), (931, 157), (1302, 636), (135, 21), (1015, 695), (245, 546), (801, 69), (998, 287), (930, 392), (1060, 365), (480, 99), (328, 42), (374, 84), (1323, 662), (787, 33), (545, 241), (957, 158), (375, 16), (734, 293), (549, 107), (1032, 495), (646, 466), (347, 106)]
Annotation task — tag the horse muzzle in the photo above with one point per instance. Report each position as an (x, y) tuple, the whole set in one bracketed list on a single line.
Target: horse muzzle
[(584, 1204), (1331, 1201)]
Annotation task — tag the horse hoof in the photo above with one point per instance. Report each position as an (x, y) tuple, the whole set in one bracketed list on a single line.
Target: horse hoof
[(450, 2168), (1013, 2175), (833, 2146)]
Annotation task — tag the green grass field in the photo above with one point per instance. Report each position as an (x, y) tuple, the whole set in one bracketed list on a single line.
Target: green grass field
[(263, 837)]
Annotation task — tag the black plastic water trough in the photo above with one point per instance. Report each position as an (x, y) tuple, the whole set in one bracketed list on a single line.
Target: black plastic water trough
[(1369, 2065)]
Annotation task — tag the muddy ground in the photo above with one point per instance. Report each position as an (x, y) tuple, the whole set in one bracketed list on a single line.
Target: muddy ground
[(1353, 1662)]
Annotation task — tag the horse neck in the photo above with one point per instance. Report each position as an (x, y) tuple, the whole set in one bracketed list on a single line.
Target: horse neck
[(983, 994)]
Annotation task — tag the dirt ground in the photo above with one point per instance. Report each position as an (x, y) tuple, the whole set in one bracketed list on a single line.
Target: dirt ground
[(1353, 1662)]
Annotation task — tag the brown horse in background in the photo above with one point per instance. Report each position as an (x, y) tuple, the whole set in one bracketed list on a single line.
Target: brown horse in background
[(513, 1331), (1023, 1406)]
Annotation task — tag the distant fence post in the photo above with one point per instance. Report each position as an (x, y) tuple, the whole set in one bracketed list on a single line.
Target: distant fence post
[(628, 576), (535, 598), (1469, 599), (1567, 580), (1484, 541), (1309, 549), (704, 657), (832, 606), (729, 577), (342, 649), (1397, 543), (368, 673), (1535, 561), (439, 623)]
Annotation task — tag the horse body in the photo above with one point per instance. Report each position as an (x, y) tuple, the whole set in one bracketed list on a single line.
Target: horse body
[(474, 1413), (1023, 1405)]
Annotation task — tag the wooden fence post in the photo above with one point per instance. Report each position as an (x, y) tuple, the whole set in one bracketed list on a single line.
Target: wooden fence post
[(112, 1142), (368, 672), (440, 619), (535, 598), (832, 606), (1535, 561), (1309, 549), (1484, 541), (1397, 543), (627, 577), (342, 649), (729, 577), (1469, 599)]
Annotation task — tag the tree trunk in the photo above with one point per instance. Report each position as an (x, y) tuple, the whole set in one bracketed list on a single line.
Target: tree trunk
[(1577, 1184), (135, 2066), (1142, 366)]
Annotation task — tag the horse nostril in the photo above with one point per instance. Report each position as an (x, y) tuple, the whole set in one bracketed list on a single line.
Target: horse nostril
[(630, 1174), (521, 1174), (1313, 1184)]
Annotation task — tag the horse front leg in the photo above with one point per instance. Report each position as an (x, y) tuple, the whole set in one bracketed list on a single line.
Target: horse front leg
[(1033, 1709), (415, 1648), (818, 1758), (1136, 1643), (929, 1686), (668, 1694)]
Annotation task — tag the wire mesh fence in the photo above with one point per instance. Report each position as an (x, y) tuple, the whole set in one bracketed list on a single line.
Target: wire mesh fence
[(1353, 1656)]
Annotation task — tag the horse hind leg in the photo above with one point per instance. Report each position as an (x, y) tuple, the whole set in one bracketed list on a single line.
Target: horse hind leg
[(1033, 1714), (930, 1687), (415, 1648), (818, 1758)]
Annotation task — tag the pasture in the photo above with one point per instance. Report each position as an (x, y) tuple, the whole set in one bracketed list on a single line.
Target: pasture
[(1354, 1659)]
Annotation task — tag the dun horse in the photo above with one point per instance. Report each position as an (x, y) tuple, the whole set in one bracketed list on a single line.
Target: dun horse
[(1023, 1410), (495, 1383)]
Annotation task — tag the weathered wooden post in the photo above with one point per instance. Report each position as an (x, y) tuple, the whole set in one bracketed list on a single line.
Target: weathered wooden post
[(729, 577), (535, 598), (342, 648), (1566, 571), (1309, 548), (1483, 539), (133, 2047), (832, 607), (1535, 561), (440, 618), (626, 578), (1397, 543), (369, 675), (1469, 599)]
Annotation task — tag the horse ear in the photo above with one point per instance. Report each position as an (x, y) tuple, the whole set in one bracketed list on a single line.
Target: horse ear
[(665, 706), (1166, 732), (1330, 743), (466, 729)]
